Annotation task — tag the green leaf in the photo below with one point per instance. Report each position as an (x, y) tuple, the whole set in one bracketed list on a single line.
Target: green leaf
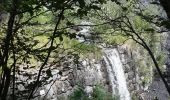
[(150, 30), (48, 72), (61, 38), (95, 7), (82, 3)]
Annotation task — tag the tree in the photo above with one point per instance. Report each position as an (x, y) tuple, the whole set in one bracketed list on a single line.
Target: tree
[(21, 14), (123, 22)]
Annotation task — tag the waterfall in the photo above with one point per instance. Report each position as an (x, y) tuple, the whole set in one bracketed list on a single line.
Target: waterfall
[(116, 73), (113, 64)]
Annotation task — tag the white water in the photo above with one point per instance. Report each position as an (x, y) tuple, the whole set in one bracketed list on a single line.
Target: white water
[(116, 73), (114, 66)]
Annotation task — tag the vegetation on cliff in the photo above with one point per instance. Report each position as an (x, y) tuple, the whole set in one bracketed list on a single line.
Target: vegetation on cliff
[(33, 31)]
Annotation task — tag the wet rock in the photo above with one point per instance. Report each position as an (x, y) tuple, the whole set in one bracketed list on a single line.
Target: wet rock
[(88, 89)]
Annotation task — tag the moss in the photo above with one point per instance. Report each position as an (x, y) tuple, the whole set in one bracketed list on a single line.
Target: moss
[(161, 58), (114, 39), (140, 24), (83, 49)]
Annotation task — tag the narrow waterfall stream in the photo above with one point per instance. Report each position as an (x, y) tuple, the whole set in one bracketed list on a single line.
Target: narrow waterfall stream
[(116, 73), (114, 66)]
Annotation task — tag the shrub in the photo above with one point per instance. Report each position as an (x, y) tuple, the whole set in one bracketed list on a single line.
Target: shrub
[(99, 93)]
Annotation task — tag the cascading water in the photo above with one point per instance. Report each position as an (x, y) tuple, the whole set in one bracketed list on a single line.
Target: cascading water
[(116, 73), (114, 66)]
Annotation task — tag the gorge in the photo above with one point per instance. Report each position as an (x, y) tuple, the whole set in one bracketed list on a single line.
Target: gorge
[(84, 50)]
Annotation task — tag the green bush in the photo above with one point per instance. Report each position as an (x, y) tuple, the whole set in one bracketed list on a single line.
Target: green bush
[(98, 94), (78, 94)]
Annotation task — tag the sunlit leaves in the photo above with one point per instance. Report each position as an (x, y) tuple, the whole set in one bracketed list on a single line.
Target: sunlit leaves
[(140, 24)]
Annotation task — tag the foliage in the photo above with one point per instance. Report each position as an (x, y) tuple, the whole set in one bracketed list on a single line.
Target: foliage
[(78, 94), (139, 24), (32, 35), (39, 31), (114, 39), (98, 94)]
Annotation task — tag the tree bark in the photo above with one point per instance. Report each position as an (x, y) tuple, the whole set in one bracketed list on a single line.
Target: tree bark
[(48, 55), (5, 56)]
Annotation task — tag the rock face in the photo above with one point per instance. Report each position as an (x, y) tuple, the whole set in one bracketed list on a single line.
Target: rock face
[(156, 90), (115, 71), (167, 48), (118, 71), (59, 81), (122, 71)]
